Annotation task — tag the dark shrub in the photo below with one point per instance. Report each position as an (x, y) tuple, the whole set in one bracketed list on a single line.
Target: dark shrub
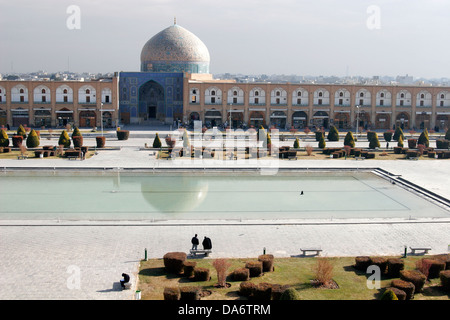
[(412, 154), (362, 263), (123, 134), (77, 141), (333, 135), (370, 135), (201, 274), (374, 142), (400, 142), (444, 276), (415, 277), (189, 293), (290, 294), (436, 266), (21, 132), (387, 136), (349, 140), (157, 142), (444, 258), (100, 142), (188, 268), (397, 134), (262, 291), (357, 152), (322, 143), (370, 155), (240, 274), (407, 287), (424, 139), (431, 154), (76, 133), (17, 141), (394, 266), (171, 294), (246, 288), (318, 134), (398, 150), (255, 268), (174, 261), (412, 143), (4, 139), (442, 144), (267, 262), (278, 290), (380, 262)]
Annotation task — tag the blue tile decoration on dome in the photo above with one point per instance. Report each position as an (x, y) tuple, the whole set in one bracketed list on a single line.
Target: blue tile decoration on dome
[(175, 49)]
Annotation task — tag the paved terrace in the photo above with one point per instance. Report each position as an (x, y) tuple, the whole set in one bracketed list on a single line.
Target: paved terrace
[(85, 259)]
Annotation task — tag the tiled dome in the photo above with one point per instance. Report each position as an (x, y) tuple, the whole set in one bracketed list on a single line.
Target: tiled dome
[(175, 49)]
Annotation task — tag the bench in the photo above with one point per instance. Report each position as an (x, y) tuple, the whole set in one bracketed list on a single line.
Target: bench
[(424, 249), (316, 250), (359, 158), (22, 157), (206, 252)]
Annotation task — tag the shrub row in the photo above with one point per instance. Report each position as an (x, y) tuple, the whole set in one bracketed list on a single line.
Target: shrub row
[(390, 267), (267, 291)]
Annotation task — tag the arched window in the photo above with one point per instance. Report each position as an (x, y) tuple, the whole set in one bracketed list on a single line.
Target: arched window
[(21, 91), (278, 93), (256, 93), (402, 95), (88, 91), (320, 94), (341, 94), (382, 95), (235, 93), (213, 92), (422, 96), (43, 91), (299, 94), (442, 96)]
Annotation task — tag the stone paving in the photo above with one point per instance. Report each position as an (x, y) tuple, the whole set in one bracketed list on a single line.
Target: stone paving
[(85, 259)]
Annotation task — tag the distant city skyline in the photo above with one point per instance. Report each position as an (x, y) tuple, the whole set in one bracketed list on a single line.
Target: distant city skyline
[(326, 37)]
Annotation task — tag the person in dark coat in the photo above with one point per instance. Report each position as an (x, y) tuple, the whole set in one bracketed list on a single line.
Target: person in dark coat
[(194, 242), (207, 243), (126, 279)]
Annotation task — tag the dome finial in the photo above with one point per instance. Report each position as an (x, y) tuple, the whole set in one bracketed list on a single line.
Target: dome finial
[(174, 20)]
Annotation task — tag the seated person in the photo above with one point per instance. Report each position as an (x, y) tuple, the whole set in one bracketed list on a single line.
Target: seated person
[(126, 279)]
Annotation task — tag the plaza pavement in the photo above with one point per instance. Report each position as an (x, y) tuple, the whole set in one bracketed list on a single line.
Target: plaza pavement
[(85, 259)]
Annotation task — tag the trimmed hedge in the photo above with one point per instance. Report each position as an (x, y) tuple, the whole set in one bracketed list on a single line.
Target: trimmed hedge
[(64, 139), (157, 142), (255, 268), (33, 140), (278, 290), (415, 277), (172, 293), (240, 274), (174, 262), (444, 276), (388, 295), (262, 291), (407, 287), (380, 262), (436, 267), (201, 274), (123, 134), (100, 142), (17, 141), (400, 294), (394, 266), (333, 134), (267, 262), (442, 144), (189, 293), (445, 257), (318, 135), (4, 139), (362, 263), (246, 288), (188, 268), (412, 143), (77, 141)]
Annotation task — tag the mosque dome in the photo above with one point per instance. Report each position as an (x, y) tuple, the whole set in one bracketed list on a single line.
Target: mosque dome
[(175, 49)]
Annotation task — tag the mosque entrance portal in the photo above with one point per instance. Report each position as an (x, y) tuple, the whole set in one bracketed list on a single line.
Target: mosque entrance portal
[(151, 101)]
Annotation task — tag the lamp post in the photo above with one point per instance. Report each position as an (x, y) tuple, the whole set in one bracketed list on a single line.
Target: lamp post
[(357, 119), (101, 116)]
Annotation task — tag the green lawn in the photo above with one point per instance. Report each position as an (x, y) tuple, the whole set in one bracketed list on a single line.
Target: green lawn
[(295, 272)]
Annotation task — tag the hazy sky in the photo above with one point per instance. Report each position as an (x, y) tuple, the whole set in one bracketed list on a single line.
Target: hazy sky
[(321, 37)]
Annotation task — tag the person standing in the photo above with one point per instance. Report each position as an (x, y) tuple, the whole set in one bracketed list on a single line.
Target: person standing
[(207, 245), (194, 242)]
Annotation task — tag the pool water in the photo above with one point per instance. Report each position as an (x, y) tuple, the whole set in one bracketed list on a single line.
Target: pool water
[(206, 196)]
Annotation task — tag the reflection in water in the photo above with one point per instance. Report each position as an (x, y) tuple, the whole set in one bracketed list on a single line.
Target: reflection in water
[(175, 194)]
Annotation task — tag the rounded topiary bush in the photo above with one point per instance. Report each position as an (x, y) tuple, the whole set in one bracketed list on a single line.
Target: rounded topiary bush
[(380, 262), (174, 262), (267, 262), (424, 139), (33, 139), (318, 135), (17, 141), (387, 136), (76, 132), (4, 139), (77, 141), (444, 258), (444, 276), (333, 134), (442, 144), (322, 143), (246, 288), (262, 291), (100, 142), (123, 134), (255, 268), (349, 140), (64, 139), (201, 274), (388, 294), (415, 277), (240, 274), (189, 293), (374, 142), (394, 266), (397, 134), (362, 263), (290, 294), (278, 290), (188, 268), (296, 143), (21, 132), (407, 287), (171, 294), (412, 143)]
